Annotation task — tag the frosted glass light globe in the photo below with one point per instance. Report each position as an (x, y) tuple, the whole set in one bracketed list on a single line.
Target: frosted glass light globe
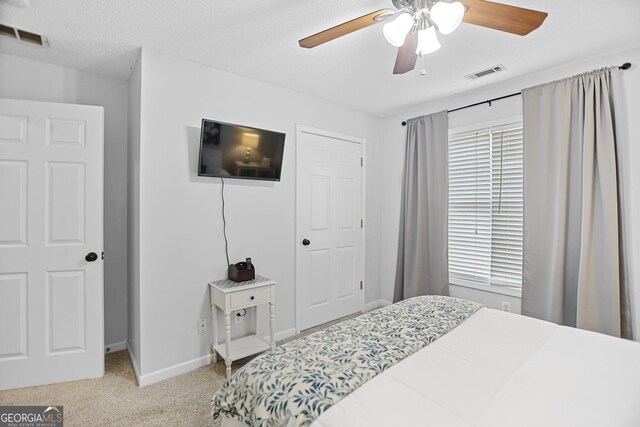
[(447, 16), (427, 41), (396, 31)]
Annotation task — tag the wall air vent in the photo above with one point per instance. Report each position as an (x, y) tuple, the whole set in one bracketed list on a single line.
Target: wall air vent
[(486, 72), (22, 35)]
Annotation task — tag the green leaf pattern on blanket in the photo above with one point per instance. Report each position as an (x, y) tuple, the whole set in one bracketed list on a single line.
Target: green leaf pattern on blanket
[(295, 383)]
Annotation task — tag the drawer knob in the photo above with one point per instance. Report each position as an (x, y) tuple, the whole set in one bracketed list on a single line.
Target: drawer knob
[(252, 297)]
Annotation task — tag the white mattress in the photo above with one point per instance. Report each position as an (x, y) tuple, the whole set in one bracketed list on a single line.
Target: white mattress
[(500, 369)]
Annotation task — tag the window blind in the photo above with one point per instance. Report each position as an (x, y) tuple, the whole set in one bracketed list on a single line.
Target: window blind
[(506, 206), (470, 206), (485, 205)]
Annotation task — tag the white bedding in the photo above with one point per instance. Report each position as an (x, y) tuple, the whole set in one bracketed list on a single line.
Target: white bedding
[(501, 369)]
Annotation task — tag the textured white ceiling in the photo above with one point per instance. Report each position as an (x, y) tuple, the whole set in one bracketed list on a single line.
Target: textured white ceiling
[(258, 39)]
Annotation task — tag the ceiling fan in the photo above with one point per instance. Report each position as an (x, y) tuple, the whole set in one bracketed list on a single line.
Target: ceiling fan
[(412, 26)]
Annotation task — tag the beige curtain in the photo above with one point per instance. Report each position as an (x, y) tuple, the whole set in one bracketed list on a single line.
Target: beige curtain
[(423, 267), (574, 269)]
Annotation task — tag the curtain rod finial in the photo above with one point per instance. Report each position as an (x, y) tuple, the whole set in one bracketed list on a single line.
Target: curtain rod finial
[(404, 123), (625, 66)]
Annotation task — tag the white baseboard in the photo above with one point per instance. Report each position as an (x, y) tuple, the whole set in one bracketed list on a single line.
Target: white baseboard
[(172, 371), (375, 304), (116, 346), (282, 335), (132, 358), (183, 368)]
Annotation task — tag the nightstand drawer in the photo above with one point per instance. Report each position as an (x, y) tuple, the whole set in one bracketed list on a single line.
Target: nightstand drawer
[(250, 297)]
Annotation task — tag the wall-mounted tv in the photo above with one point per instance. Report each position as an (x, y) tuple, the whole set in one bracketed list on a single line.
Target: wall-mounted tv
[(234, 151)]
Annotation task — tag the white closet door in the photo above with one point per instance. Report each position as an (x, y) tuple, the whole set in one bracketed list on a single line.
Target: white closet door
[(330, 249), (51, 269)]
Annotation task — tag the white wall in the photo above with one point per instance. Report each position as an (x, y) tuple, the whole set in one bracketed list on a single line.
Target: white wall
[(181, 241), (133, 213), (393, 153), (22, 78)]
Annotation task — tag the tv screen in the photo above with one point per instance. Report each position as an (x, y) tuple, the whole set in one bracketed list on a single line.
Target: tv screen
[(234, 151)]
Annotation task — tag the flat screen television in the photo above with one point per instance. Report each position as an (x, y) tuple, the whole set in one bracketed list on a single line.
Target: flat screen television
[(234, 151)]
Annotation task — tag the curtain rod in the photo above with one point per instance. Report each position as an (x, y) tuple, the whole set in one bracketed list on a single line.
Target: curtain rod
[(624, 66)]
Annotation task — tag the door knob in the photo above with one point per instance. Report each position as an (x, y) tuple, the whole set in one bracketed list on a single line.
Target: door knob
[(91, 256), (306, 242)]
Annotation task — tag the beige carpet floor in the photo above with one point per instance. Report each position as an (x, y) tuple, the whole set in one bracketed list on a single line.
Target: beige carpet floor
[(116, 399)]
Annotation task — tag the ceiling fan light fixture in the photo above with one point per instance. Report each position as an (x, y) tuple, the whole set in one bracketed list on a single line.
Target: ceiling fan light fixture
[(447, 16), (396, 31), (427, 41)]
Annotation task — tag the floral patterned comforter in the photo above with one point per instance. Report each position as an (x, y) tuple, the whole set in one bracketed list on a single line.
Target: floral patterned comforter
[(295, 383)]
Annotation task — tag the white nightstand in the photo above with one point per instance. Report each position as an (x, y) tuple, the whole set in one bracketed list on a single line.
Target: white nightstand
[(230, 296)]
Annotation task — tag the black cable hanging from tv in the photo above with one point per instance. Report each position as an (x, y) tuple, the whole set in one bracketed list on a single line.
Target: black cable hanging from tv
[(624, 66), (224, 224)]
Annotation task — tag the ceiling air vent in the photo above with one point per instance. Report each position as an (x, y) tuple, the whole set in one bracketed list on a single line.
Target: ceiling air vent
[(22, 35), (486, 72)]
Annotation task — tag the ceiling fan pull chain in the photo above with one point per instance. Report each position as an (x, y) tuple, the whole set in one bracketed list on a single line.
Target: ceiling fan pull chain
[(423, 72)]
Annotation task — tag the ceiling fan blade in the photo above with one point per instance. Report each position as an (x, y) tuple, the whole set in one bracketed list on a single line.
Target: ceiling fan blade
[(502, 17), (407, 56), (342, 29)]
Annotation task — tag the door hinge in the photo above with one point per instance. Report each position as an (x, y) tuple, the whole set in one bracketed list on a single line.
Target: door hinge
[(360, 284), (361, 161), (362, 223)]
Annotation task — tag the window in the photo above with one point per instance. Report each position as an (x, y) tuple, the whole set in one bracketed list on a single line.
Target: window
[(485, 206)]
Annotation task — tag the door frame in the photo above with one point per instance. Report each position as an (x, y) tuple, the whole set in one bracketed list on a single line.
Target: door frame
[(303, 129)]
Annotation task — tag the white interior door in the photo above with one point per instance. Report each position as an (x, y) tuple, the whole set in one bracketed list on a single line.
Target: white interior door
[(51, 297), (330, 234)]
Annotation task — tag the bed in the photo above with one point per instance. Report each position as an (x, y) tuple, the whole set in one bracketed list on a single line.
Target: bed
[(438, 361)]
